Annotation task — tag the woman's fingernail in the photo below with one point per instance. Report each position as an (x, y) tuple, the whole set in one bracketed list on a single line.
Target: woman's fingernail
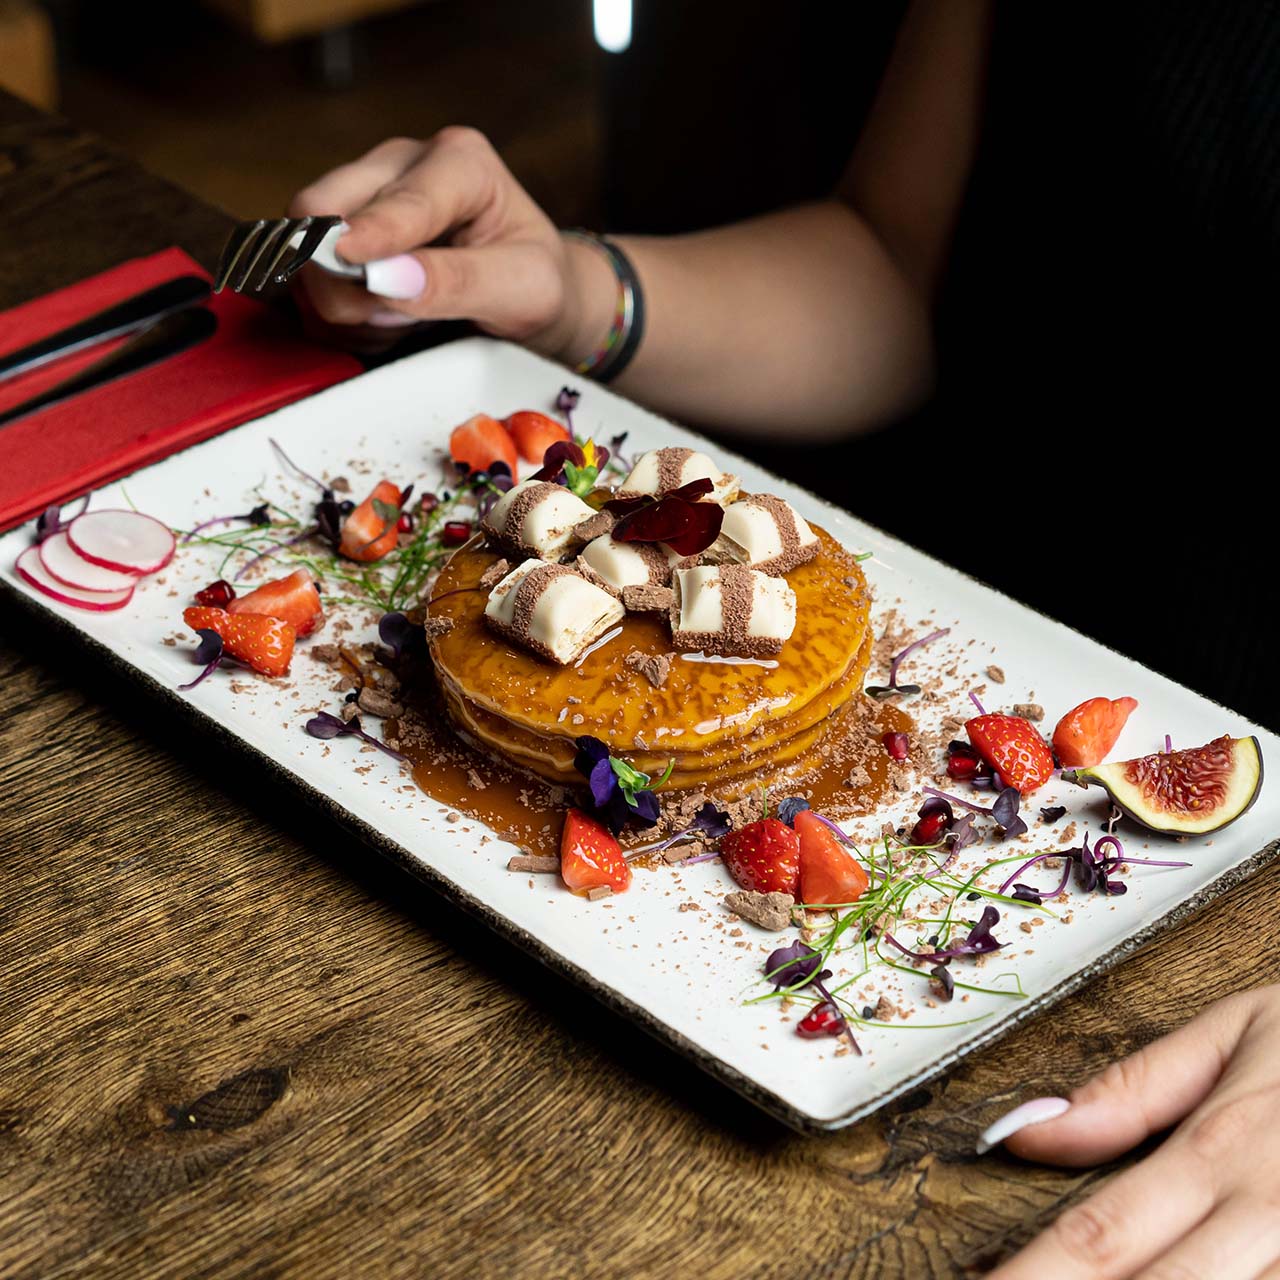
[(402, 277), (385, 318), (1037, 1111)]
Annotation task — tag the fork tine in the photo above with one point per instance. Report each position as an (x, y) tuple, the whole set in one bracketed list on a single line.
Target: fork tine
[(244, 234), (264, 243), (273, 252), (316, 230)]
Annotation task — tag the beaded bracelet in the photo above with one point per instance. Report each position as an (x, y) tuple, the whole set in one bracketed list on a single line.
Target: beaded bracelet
[(623, 339)]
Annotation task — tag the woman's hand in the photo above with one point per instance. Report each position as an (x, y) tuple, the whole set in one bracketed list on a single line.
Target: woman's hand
[(457, 237), (1206, 1204)]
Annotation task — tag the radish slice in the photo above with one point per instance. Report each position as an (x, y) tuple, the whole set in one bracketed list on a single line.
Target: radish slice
[(60, 561), (31, 570), (126, 541)]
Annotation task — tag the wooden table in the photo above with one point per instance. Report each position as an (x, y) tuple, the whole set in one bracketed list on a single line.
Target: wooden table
[(232, 1043)]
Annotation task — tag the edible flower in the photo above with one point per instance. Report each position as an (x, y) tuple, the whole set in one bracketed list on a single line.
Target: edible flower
[(677, 518), (574, 463), (619, 793)]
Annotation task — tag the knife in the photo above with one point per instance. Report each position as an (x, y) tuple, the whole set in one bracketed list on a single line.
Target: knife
[(169, 335), (125, 317)]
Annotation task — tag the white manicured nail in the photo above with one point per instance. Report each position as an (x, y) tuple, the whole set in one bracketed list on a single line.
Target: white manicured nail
[(1037, 1111), (402, 277)]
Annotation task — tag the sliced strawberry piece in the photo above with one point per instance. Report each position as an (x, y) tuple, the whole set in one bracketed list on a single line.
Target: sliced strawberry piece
[(293, 599), (765, 856), (1085, 735), (829, 873), (1014, 749), (369, 533), (265, 644), (481, 441), (535, 433), (590, 858)]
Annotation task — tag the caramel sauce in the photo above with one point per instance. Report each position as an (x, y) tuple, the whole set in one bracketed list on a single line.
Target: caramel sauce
[(529, 812)]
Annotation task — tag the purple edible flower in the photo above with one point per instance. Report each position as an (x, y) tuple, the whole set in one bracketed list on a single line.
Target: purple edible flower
[(324, 725), (884, 690), (619, 793)]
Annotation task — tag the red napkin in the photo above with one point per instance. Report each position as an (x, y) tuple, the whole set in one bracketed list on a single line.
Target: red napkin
[(254, 363)]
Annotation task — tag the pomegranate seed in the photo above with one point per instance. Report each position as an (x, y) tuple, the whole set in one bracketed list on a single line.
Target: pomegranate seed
[(217, 594), (405, 523), (962, 766), (897, 745), (929, 829), (455, 532), (428, 503), (825, 1020)]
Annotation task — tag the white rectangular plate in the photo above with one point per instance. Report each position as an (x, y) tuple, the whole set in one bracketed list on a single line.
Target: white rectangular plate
[(673, 971)]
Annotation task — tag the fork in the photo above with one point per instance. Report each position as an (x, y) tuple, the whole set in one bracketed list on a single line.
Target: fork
[(272, 250)]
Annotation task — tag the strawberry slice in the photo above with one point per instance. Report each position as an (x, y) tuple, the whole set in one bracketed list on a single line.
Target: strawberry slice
[(369, 533), (481, 441), (1013, 748), (765, 856), (265, 644), (590, 858), (294, 600), (535, 433), (829, 874), (1085, 735)]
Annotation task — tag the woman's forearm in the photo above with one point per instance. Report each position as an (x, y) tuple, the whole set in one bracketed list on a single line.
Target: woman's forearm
[(796, 321)]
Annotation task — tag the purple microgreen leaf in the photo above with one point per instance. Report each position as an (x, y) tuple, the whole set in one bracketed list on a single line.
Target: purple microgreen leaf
[(936, 804), (566, 403), (208, 654), (1051, 813), (323, 725), (879, 691), (961, 832), (1168, 745), (399, 634), (1005, 811), (1025, 893), (788, 809), (293, 466), (943, 983), (792, 966)]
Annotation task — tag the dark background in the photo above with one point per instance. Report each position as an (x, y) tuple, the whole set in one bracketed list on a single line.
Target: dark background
[(1107, 332)]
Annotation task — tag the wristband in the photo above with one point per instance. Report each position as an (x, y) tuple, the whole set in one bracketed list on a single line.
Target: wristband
[(627, 329)]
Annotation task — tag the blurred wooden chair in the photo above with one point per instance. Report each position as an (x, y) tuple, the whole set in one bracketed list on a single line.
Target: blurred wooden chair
[(28, 65)]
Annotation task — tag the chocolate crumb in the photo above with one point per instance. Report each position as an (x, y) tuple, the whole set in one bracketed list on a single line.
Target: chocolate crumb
[(595, 526), (1028, 710), (531, 862), (340, 484), (600, 891), (377, 703), (885, 1009), (995, 674), (475, 781), (655, 667), (326, 653), (453, 817), (437, 627), (770, 911), (349, 711), (495, 573)]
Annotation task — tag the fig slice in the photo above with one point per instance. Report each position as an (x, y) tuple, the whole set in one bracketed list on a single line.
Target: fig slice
[(1189, 792), (31, 570), (126, 541)]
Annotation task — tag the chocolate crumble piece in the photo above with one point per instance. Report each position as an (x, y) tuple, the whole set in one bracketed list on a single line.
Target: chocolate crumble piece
[(475, 781), (437, 627), (770, 911), (349, 711), (495, 573), (377, 703), (326, 653), (995, 674), (885, 1009), (655, 667), (340, 484), (529, 862), (595, 526), (600, 891), (648, 598), (1028, 710)]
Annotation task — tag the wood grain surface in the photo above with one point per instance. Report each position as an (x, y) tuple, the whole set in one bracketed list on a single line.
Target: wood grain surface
[(234, 1044)]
